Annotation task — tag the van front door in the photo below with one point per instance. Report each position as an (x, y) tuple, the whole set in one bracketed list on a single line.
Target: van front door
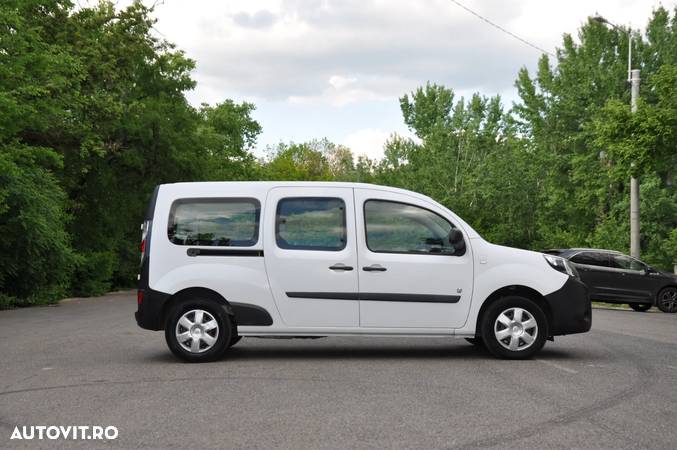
[(311, 255), (410, 275)]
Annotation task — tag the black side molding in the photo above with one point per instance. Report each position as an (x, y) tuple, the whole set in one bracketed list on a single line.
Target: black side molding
[(222, 252), (377, 297), (421, 298), (324, 295), (250, 315)]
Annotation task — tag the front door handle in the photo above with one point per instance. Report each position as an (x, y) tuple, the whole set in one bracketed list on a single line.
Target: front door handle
[(374, 268), (341, 266)]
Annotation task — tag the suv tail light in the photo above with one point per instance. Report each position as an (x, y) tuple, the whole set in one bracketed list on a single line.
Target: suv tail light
[(139, 297)]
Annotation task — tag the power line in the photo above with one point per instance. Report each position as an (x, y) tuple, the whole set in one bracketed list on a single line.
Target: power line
[(502, 29)]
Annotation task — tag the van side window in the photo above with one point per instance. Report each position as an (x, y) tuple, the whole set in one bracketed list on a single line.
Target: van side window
[(394, 227), (311, 223), (227, 222)]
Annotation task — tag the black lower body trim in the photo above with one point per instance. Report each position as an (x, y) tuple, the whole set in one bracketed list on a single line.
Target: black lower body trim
[(149, 313), (250, 315), (570, 308), (377, 297)]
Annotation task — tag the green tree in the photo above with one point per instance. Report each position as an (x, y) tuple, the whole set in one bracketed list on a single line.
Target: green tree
[(576, 116), (35, 254), (96, 87), (317, 160)]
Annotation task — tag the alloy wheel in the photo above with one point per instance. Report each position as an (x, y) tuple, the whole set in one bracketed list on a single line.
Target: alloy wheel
[(667, 300)]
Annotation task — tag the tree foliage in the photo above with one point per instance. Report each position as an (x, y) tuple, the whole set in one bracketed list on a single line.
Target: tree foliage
[(99, 92), (93, 115)]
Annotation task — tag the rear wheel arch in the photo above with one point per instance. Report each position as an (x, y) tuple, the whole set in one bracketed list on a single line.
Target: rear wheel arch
[(514, 290), (193, 293)]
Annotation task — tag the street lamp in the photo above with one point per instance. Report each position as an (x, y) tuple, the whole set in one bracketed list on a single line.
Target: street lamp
[(633, 79)]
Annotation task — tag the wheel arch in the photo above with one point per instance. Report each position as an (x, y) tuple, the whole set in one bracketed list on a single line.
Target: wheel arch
[(660, 291), (195, 292), (662, 288), (515, 289)]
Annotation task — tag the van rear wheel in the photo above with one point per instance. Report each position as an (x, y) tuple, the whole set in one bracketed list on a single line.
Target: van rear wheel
[(514, 328), (198, 330)]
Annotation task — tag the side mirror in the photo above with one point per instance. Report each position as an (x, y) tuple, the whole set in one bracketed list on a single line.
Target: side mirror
[(456, 240), (455, 236)]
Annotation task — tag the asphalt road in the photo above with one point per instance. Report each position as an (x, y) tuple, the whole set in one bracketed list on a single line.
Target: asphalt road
[(85, 362)]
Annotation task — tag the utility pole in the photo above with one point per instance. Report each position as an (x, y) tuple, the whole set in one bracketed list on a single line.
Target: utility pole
[(633, 79), (634, 183)]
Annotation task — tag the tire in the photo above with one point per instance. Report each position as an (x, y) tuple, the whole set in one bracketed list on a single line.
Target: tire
[(667, 300), (234, 340), (640, 307), (205, 327), (522, 323), (477, 341)]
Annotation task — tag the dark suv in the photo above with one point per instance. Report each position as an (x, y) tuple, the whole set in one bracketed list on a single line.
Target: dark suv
[(613, 277)]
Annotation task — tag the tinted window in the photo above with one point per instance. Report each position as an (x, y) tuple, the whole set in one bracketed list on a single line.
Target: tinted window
[(400, 228), (591, 259), (311, 223), (625, 262), (216, 222)]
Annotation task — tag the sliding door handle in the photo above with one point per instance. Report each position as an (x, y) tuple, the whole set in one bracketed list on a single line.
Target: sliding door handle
[(374, 268), (341, 267)]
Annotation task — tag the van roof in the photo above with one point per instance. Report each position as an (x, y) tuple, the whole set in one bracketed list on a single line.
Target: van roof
[(271, 184)]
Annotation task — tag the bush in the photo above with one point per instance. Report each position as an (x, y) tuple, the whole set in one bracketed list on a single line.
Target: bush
[(35, 254)]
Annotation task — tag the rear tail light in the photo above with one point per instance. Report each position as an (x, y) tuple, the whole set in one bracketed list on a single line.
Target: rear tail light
[(145, 226), (139, 297)]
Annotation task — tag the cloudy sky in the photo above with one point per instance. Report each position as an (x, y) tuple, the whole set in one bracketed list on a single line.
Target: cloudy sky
[(335, 69)]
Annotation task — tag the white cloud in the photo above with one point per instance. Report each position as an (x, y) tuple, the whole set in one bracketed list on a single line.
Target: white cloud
[(367, 141), (343, 90), (342, 51), (334, 55)]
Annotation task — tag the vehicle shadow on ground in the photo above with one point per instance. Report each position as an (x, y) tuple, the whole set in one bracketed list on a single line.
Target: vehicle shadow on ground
[(305, 352)]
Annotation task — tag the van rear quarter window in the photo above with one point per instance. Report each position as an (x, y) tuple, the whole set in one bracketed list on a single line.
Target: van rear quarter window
[(223, 222)]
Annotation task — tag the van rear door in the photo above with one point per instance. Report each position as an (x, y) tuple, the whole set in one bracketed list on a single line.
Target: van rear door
[(311, 256)]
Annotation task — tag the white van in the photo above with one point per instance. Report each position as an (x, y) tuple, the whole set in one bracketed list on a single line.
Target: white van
[(223, 260)]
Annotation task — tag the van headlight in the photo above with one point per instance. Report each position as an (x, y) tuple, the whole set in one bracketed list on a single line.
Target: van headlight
[(560, 264)]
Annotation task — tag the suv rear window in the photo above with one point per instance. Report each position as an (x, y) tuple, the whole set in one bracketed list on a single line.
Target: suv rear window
[(224, 222)]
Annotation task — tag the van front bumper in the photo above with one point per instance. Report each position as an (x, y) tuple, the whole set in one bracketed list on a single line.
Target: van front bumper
[(570, 308)]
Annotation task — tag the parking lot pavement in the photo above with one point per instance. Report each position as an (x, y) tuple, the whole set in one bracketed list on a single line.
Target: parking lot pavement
[(85, 362)]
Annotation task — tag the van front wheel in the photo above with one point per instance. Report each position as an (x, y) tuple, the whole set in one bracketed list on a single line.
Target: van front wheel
[(198, 330), (514, 328)]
